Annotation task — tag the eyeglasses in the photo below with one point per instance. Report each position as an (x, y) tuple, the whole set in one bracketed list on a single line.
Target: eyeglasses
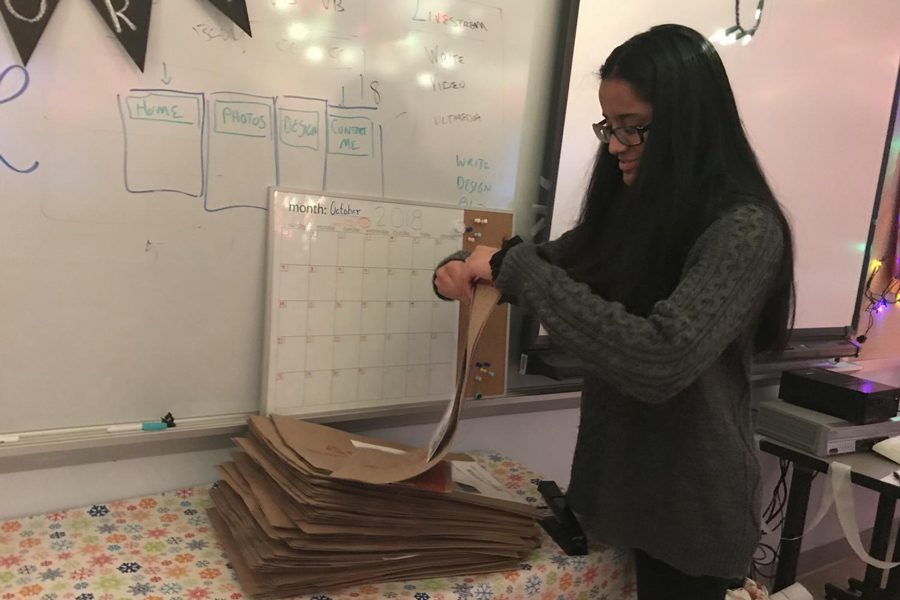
[(629, 136)]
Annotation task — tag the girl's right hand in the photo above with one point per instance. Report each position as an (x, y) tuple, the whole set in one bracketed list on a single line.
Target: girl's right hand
[(455, 281)]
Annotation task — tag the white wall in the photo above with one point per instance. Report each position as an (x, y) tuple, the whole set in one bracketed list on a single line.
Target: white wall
[(45, 490)]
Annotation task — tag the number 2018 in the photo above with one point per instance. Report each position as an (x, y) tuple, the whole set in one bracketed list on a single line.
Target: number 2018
[(399, 217)]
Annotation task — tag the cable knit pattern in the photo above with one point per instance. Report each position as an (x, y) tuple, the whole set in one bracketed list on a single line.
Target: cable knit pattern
[(665, 459)]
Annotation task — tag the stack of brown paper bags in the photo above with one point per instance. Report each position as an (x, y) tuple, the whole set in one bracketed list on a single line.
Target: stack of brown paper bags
[(304, 508), (291, 527)]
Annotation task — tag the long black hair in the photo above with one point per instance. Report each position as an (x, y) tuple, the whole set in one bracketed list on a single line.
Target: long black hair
[(631, 242)]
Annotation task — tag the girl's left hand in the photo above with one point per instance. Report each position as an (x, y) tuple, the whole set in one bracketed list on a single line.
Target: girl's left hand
[(479, 263)]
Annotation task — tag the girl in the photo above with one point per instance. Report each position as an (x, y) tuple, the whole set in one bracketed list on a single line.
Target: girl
[(679, 270)]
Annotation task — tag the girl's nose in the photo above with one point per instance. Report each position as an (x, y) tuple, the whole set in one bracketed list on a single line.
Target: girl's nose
[(615, 146)]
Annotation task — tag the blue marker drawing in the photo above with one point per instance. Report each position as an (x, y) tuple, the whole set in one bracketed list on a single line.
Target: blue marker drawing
[(363, 107), (150, 111), (30, 169), (249, 123), (381, 155), (325, 167), (275, 147), (300, 150), (25, 80), (22, 89)]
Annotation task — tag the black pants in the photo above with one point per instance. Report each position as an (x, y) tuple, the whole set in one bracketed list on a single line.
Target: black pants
[(658, 581)]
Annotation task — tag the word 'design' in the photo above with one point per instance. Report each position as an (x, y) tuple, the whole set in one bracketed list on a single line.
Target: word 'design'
[(299, 128)]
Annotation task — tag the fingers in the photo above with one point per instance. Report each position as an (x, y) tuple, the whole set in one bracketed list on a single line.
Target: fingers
[(445, 286), (454, 281)]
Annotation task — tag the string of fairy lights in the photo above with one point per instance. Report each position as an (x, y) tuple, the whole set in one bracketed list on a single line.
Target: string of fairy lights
[(738, 32), (877, 301), (880, 297)]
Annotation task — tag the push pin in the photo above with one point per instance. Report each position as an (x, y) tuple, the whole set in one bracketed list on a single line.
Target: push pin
[(468, 229), (490, 373), (478, 378), (479, 395), (470, 239), (478, 364), (477, 234)]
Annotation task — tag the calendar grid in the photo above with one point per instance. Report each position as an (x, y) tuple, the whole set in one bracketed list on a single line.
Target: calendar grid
[(357, 322)]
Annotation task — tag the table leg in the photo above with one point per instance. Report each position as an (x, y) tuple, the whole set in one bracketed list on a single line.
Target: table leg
[(892, 590), (881, 533), (794, 522)]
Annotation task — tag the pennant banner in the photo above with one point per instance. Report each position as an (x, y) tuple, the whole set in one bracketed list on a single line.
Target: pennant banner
[(26, 21), (130, 21), (236, 10)]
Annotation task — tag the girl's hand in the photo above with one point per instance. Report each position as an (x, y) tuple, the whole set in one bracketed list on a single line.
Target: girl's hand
[(454, 281), (479, 263)]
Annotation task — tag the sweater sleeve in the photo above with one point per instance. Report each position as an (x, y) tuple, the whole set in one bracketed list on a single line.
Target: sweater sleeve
[(725, 281), (552, 250)]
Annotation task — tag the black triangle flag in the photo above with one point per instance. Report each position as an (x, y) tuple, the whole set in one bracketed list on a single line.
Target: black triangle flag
[(130, 21), (26, 21), (236, 10)]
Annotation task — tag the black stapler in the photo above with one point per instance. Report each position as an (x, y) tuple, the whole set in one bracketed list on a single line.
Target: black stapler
[(561, 524)]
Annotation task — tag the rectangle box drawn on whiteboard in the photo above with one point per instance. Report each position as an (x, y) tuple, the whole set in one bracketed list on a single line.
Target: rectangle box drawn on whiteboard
[(239, 125), (163, 133)]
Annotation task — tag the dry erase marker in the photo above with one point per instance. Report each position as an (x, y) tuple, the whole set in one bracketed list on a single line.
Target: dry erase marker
[(145, 426), (8, 438)]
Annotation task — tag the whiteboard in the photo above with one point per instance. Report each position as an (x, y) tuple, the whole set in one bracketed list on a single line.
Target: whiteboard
[(133, 254), (814, 89), (352, 321)]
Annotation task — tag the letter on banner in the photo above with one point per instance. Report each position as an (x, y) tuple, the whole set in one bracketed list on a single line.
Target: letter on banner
[(130, 21), (26, 21), (236, 10)]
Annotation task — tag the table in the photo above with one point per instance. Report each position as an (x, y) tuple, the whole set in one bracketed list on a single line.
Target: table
[(162, 547), (869, 470)]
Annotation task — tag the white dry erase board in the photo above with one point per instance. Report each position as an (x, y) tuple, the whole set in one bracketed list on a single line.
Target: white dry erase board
[(133, 205), (814, 88), (352, 320)]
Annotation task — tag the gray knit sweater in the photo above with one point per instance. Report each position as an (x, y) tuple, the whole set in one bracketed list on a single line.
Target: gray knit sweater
[(665, 459)]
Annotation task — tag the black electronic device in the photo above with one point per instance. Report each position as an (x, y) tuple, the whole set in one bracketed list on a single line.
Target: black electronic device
[(562, 525), (841, 395)]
